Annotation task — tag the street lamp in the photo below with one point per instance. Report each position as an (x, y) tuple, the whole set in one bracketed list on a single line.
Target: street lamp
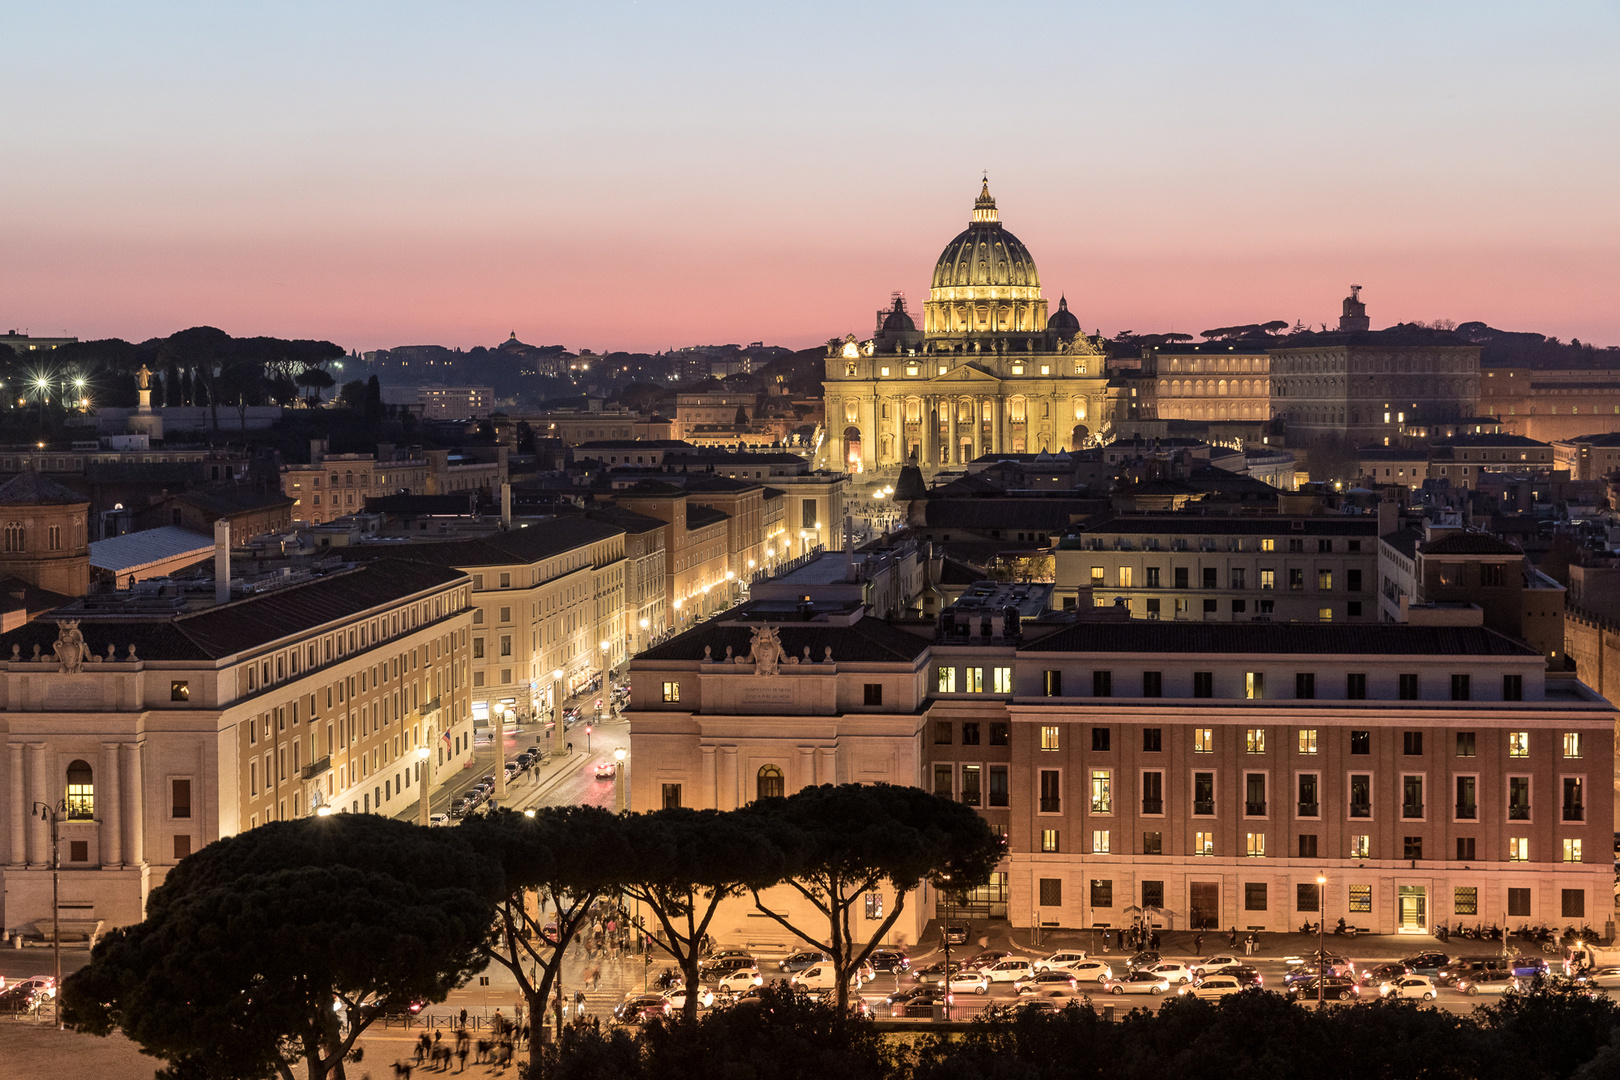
[(946, 932), (556, 710), (618, 779), (422, 782), (607, 690), (1321, 921), (52, 814), (499, 798)]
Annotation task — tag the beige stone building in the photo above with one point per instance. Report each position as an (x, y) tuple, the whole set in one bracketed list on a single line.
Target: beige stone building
[(336, 485), (44, 538)]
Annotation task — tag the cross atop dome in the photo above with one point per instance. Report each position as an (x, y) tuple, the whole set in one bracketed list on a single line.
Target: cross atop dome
[(984, 207)]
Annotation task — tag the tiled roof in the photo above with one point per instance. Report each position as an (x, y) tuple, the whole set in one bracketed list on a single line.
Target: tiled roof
[(223, 502), (529, 543), (1404, 541), (212, 633), (699, 516), (869, 640), (628, 520), (1009, 513), (28, 488), (1226, 525), (1280, 639), (1468, 543), (454, 505)]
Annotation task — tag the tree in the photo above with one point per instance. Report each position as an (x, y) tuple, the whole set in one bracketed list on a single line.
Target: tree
[(741, 419), (569, 856), (250, 944), (687, 863), (374, 405), (315, 380), (842, 842), (353, 395)]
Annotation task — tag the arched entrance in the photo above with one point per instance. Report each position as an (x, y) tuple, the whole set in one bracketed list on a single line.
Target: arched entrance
[(1077, 437), (852, 449)]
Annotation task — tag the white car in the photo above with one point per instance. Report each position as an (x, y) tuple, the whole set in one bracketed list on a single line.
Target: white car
[(677, 998), (1211, 987), (969, 979), (1060, 961), (1091, 971), (1061, 981), (1138, 982), (1409, 986), (1010, 970), (439, 819), (1214, 965), (735, 982), (1606, 977), (823, 977), (1174, 970)]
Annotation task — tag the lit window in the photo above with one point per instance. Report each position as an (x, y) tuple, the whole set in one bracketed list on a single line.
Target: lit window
[(1254, 683), (1307, 740), (1572, 851), (81, 792), (947, 680), (1102, 792), (1099, 575), (874, 905), (1049, 738), (1003, 680), (1203, 740), (974, 679), (672, 691), (1360, 846), (1361, 898), (1518, 744), (1519, 849), (1255, 845), (1255, 739), (180, 690), (1572, 744), (1204, 843), (1049, 840), (1324, 614), (1099, 842), (1124, 576), (1268, 545)]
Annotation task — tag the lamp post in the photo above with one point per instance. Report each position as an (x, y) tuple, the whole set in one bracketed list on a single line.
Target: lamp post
[(641, 638), (946, 934), (619, 800), (607, 690), (556, 710), (424, 755), (499, 798), (1321, 921), (52, 814)]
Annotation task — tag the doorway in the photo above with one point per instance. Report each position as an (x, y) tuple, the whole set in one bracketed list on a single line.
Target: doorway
[(1204, 905), (1414, 909)]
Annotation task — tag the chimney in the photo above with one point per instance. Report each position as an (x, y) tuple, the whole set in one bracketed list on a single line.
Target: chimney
[(506, 505), (222, 561)]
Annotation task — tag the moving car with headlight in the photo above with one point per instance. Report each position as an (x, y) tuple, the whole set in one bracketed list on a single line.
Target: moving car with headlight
[(1138, 982), (1061, 961), (677, 998), (1009, 970), (735, 982), (823, 977), (1211, 987), (1175, 971), (1486, 982), (1333, 988), (969, 979), (1091, 971), (1045, 980)]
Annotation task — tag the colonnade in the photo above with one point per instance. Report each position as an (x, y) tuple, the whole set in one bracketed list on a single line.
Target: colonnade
[(954, 428)]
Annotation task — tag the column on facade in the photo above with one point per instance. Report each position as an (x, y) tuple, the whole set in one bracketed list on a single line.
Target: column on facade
[(18, 853), (710, 795), (930, 430), (728, 778), (997, 405), (897, 410), (955, 451), (109, 806), (137, 824), (40, 843), (827, 765)]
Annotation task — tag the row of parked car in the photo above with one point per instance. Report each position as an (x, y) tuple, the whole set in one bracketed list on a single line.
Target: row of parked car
[(480, 792), (26, 995)]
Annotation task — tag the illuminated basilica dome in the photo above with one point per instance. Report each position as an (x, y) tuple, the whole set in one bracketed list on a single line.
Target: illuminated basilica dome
[(985, 281)]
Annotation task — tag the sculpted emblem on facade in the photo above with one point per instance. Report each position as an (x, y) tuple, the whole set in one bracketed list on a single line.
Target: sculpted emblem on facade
[(765, 650), (71, 651)]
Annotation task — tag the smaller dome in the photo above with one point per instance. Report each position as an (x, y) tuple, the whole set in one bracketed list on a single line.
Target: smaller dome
[(897, 319), (1063, 319)]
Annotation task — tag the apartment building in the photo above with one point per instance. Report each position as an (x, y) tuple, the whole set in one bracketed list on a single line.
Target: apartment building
[(335, 485), (645, 591), (1187, 566), (160, 719), (697, 575)]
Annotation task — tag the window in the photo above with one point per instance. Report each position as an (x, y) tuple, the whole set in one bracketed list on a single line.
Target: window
[(1305, 685), (1574, 903), (1307, 896), (1203, 793), (1324, 614), (1574, 805), (14, 536), (1255, 845), (768, 783), (478, 648), (1296, 580), (182, 846), (1255, 740), (998, 785), (180, 690), (1412, 743), (1519, 903), (1268, 580), (970, 733), (942, 733), (1181, 577), (1465, 900), (1307, 845), (1465, 744), (874, 905), (1518, 744), (973, 680), (1360, 795), (1153, 793), (1268, 545), (1151, 580), (1099, 576), (1408, 686), (1153, 843), (947, 680), (1102, 791), (1254, 797), (970, 785), (1204, 843), (1203, 684), (1307, 740), (1254, 684), (1254, 896), (1360, 742), (1519, 849), (1122, 576), (1152, 684), (1360, 846), (1051, 892), (1051, 791), (1153, 894), (1465, 849), (1309, 799), (1360, 898), (1203, 740), (672, 691), (1513, 688), (1352, 580), (1209, 577), (1572, 744), (1411, 796), (873, 694), (943, 775), (1049, 738), (1052, 683), (81, 792), (1518, 798), (1101, 739), (1324, 580), (1000, 733), (1459, 688), (1002, 680), (1102, 684), (1102, 893), (1099, 841), (672, 796), (1572, 850), (180, 801), (1467, 804), (78, 851)]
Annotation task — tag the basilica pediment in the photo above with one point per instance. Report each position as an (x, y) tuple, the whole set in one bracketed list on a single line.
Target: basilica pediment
[(965, 378)]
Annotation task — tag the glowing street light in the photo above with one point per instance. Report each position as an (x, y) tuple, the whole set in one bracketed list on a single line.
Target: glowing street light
[(423, 782)]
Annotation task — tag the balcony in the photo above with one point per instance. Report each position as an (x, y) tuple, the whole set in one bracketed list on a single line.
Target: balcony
[(1574, 813), (1518, 813), (1467, 811), (1152, 806), (1204, 806), (1412, 810), (315, 768), (1051, 806), (1360, 809), (1309, 809), (1255, 809)]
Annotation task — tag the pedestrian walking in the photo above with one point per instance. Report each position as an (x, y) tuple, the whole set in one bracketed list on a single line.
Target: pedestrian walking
[(461, 1058), (1198, 944)]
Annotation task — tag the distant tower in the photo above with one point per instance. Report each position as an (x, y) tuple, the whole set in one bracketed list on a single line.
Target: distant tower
[(1354, 320)]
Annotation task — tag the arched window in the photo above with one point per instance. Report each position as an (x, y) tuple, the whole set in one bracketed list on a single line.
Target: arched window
[(81, 792), (14, 536), (770, 784)]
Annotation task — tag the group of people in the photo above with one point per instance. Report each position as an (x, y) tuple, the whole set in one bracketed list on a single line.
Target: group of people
[(1134, 938), (506, 1037)]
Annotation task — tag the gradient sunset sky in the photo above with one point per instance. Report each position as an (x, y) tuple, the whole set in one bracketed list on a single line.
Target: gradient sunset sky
[(644, 175)]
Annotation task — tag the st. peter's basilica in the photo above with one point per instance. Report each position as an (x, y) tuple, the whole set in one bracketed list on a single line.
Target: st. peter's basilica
[(989, 372)]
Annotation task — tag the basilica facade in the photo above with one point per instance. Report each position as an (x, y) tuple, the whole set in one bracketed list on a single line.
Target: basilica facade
[(989, 372)]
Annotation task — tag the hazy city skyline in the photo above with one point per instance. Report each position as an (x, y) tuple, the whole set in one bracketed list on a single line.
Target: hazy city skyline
[(636, 177)]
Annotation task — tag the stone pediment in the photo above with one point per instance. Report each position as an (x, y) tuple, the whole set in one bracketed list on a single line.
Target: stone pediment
[(966, 378)]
